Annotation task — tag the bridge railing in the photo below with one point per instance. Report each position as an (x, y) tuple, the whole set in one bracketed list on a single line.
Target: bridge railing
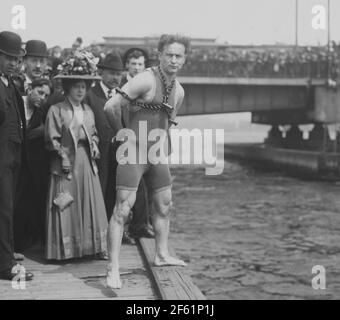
[(301, 62), (240, 69)]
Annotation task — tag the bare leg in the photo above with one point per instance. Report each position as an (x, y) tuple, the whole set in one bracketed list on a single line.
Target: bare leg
[(124, 202), (160, 219)]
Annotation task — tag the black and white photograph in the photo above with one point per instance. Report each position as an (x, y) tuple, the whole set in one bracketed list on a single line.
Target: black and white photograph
[(177, 150)]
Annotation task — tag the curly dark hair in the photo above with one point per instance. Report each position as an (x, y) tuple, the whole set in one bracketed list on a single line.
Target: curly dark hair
[(42, 82), (136, 54), (166, 39)]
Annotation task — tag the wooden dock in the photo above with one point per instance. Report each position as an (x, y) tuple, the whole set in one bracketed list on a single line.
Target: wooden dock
[(85, 278)]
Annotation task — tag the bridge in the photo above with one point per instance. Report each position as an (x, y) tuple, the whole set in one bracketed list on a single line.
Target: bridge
[(272, 101)]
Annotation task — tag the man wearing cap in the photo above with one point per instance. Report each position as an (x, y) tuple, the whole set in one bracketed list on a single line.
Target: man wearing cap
[(12, 130), (111, 70), (35, 61)]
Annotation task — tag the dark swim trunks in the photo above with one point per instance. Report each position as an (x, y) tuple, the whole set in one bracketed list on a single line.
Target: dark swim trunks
[(157, 176)]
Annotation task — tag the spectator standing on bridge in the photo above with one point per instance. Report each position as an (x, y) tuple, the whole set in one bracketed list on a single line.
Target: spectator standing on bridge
[(153, 96)]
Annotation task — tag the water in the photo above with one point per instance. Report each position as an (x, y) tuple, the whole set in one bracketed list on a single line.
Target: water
[(254, 234)]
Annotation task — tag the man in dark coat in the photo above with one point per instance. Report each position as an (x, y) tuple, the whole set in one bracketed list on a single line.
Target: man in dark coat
[(111, 70), (29, 214), (12, 136), (29, 218)]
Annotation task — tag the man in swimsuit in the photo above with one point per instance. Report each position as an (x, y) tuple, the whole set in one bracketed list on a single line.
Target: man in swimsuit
[(153, 97)]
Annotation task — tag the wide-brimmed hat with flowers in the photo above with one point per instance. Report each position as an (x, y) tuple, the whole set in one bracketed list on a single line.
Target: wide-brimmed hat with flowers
[(80, 65)]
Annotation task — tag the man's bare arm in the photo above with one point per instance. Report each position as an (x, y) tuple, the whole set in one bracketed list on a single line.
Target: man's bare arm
[(135, 88)]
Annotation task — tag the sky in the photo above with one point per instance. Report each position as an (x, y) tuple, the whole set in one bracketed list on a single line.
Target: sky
[(59, 22)]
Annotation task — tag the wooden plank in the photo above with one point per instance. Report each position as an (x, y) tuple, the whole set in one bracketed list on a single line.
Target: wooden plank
[(62, 286), (81, 279), (172, 283)]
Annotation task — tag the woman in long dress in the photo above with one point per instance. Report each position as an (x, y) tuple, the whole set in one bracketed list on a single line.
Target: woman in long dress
[(76, 216)]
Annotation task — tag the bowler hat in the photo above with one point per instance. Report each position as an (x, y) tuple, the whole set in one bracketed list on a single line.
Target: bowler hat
[(10, 44), (112, 61), (36, 48), (129, 51)]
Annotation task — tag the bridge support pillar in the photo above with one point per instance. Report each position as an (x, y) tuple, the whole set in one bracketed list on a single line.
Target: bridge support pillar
[(274, 137), (319, 139), (294, 138)]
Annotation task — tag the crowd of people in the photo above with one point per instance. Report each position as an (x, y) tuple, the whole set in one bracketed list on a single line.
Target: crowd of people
[(288, 62), (60, 183), (303, 62), (260, 62)]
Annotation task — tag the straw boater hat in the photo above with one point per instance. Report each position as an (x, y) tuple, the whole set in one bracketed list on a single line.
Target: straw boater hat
[(81, 65)]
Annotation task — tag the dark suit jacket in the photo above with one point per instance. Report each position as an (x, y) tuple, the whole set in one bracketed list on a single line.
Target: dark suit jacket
[(96, 99), (37, 154), (124, 80), (4, 125)]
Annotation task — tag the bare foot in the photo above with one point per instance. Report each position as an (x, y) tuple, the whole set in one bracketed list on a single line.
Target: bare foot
[(113, 278), (169, 261)]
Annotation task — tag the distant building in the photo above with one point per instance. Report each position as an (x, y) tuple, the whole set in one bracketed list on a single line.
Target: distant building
[(150, 42)]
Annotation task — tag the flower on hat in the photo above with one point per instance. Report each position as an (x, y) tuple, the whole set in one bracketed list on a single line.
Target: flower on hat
[(81, 62)]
